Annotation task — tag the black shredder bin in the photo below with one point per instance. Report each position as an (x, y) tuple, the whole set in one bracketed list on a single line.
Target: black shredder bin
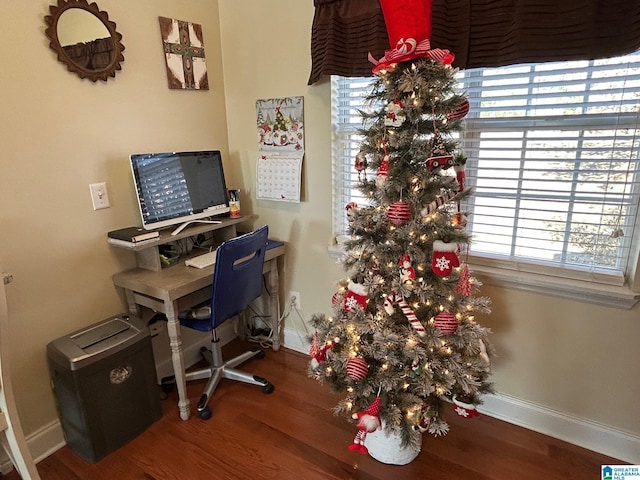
[(104, 381)]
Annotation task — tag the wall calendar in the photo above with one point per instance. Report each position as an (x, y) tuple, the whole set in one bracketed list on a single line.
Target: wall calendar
[(279, 177), (280, 129)]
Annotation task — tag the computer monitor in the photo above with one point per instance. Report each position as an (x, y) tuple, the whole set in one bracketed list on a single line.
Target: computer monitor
[(176, 188)]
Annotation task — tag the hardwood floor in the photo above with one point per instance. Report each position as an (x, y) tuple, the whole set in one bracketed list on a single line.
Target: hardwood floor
[(292, 434)]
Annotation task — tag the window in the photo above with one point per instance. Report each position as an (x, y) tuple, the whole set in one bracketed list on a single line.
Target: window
[(553, 158)]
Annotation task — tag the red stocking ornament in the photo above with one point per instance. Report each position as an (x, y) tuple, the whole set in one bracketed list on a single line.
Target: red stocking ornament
[(464, 409), (356, 296), (444, 258)]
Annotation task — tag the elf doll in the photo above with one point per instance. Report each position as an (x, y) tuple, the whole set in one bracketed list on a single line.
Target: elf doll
[(368, 421)]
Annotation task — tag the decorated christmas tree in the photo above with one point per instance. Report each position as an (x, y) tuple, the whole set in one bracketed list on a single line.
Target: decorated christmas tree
[(403, 345)]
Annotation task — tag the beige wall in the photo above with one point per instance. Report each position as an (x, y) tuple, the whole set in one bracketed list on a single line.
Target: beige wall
[(266, 55), (60, 133)]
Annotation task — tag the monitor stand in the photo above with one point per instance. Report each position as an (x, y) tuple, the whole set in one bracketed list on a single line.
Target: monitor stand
[(186, 224)]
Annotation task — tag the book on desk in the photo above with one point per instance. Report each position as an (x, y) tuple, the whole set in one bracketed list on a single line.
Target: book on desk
[(130, 236), (124, 243)]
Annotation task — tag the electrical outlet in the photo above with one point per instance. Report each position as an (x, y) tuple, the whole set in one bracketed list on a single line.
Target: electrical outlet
[(295, 297), (99, 195)]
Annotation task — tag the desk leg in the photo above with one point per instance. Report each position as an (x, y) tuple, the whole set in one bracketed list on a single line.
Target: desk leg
[(274, 302), (134, 308), (173, 329)]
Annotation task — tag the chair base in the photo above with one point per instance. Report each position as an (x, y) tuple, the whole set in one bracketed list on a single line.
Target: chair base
[(220, 369)]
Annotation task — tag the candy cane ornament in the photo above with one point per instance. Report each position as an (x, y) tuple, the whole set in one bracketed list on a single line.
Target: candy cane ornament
[(438, 202), (406, 309), (413, 320)]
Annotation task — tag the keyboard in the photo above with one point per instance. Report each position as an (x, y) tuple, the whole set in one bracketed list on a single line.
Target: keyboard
[(202, 261)]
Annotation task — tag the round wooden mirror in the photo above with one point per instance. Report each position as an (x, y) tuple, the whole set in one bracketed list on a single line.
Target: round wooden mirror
[(84, 39)]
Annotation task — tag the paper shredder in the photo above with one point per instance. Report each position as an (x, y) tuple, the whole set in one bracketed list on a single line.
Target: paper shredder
[(104, 381)]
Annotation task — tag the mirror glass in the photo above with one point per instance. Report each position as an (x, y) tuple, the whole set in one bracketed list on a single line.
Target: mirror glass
[(78, 26), (84, 39)]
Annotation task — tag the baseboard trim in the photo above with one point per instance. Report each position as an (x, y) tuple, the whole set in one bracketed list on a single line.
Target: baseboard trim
[(46, 441), (563, 426), (41, 444), (294, 340), (578, 431)]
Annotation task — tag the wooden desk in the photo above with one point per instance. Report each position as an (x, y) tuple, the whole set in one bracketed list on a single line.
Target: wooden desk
[(175, 288)]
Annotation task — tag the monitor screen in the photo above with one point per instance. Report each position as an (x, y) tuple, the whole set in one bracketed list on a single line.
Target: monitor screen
[(179, 187)]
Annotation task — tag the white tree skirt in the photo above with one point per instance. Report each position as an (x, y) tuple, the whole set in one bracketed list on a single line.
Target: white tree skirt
[(385, 447)]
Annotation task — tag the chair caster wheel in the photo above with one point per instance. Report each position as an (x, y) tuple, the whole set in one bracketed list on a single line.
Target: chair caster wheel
[(268, 388), (260, 354), (205, 413)]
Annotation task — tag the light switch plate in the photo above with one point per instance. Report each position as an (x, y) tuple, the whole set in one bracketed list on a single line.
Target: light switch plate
[(99, 195)]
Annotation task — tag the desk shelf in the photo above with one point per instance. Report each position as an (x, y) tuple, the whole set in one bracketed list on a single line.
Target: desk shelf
[(148, 253)]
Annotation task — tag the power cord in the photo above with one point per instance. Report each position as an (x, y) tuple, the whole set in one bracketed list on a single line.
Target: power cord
[(291, 306), (263, 335), (259, 334)]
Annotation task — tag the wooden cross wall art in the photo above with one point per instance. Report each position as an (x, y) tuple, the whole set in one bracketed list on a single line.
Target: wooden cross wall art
[(183, 47)]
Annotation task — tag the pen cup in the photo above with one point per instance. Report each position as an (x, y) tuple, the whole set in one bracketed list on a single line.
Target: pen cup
[(234, 203)]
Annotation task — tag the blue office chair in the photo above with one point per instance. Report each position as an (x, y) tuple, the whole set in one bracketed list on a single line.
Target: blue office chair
[(237, 281)]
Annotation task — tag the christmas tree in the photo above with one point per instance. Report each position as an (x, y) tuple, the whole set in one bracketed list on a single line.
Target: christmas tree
[(403, 344)]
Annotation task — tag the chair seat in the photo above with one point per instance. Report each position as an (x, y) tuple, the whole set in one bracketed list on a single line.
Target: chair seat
[(197, 318)]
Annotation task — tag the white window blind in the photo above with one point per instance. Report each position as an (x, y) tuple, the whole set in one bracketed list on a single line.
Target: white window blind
[(552, 157), (347, 100)]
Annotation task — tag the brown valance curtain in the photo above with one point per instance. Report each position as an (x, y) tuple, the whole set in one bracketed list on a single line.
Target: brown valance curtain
[(481, 33), (93, 55), (342, 35)]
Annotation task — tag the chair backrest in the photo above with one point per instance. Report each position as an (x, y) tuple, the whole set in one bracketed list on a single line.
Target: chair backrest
[(237, 277)]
